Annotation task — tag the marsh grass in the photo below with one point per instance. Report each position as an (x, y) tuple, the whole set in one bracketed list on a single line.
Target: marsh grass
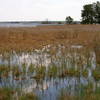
[(27, 39), (31, 68), (16, 72), (6, 93), (40, 73), (85, 73), (86, 93), (65, 96), (52, 71), (96, 73), (89, 94), (4, 71), (10, 94), (65, 62), (28, 96)]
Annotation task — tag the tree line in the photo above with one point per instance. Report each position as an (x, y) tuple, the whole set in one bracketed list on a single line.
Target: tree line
[(90, 14)]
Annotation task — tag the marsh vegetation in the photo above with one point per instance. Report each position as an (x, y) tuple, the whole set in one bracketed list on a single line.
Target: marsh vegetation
[(50, 63), (52, 73)]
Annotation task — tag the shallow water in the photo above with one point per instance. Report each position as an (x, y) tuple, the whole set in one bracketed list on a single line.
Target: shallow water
[(23, 24), (20, 24), (42, 71)]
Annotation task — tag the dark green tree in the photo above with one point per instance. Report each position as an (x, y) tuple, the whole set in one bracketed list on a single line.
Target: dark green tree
[(88, 14), (69, 20), (91, 13)]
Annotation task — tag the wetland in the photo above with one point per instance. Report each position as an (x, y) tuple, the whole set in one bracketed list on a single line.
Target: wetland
[(50, 63)]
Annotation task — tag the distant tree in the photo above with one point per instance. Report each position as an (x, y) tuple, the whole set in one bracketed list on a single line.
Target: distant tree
[(91, 13), (46, 22), (59, 22), (69, 20)]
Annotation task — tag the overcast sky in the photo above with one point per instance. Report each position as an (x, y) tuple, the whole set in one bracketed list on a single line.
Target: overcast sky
[(27, 10)]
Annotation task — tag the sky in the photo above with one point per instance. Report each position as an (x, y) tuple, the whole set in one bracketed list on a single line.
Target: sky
[(41, 10)]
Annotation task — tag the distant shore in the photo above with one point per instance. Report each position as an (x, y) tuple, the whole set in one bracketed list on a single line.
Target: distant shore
[(24, 24), (33, 23)]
